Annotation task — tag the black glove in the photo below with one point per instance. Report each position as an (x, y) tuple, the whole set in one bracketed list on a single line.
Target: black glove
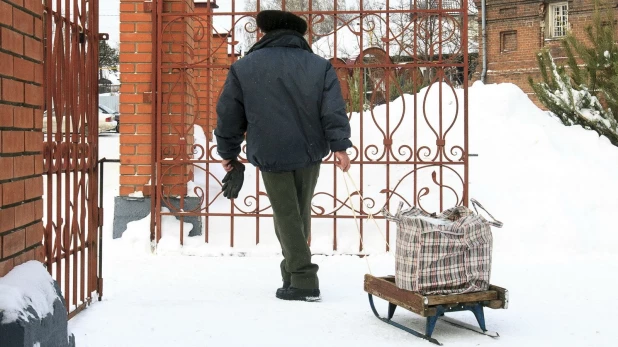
[(233, 180)]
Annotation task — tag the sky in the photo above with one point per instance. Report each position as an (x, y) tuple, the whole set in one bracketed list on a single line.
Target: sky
[(109, 13), (109, 17), (109, 20)]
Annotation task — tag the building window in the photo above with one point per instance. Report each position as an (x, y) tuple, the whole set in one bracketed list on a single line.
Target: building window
[(558, 18), (508, 41)]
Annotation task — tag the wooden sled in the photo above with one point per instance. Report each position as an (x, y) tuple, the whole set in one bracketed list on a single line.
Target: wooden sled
[(433, 307)]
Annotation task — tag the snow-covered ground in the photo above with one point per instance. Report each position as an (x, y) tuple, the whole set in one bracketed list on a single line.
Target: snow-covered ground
[(554, 187)]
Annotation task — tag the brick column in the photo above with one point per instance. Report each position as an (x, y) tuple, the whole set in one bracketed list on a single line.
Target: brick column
[(209, 50), (21, 139), (135, 94), (136, 91), (178, 96), (219, 76)]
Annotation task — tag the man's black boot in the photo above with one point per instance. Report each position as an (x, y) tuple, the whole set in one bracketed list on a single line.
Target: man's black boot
[(286, 285), (299, 294)]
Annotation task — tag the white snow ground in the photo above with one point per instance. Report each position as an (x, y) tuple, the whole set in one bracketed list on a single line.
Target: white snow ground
[(554, 187)]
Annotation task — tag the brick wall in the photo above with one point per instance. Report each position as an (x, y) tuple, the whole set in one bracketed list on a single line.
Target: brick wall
[(21, 137), (516, 33)]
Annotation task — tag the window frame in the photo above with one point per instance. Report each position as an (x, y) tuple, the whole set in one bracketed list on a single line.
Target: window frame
[(551, 19), (503, 35)]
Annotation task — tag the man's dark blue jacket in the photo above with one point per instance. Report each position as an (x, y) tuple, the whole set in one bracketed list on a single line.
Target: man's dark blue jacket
[(287, 100)]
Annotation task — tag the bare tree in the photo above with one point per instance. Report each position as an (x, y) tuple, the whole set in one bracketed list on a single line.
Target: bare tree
[(319, 25), (425, 36), (406, 34)]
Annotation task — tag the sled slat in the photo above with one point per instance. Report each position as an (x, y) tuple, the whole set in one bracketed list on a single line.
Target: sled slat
[(424, 305), (503, 295), (495, 304), (432, 300), (388, 291)]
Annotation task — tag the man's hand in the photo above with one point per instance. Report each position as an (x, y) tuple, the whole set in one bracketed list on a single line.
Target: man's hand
[(342, 161), (227, 165)]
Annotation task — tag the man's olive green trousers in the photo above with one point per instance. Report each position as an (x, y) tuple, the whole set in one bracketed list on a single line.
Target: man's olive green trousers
[(290, 194)]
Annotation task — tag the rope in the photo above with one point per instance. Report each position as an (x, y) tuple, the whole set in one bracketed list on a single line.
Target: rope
[(369, 215), (356, 220)]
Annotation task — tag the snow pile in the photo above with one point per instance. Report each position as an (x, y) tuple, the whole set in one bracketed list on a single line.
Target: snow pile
[(27, 285), (139, 194), (553, 186), (348, 43), (542, 179), (135, 241)]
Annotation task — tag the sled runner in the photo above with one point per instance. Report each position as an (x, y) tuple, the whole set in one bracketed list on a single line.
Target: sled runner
[(433, 307)]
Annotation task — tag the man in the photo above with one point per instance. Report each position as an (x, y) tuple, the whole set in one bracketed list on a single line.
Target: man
[(289, 103)]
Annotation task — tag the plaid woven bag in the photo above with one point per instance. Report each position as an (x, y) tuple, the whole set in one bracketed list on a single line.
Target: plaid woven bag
[(449, 253)]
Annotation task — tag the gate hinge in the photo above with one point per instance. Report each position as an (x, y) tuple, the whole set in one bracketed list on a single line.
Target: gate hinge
[(103, 36), (148, 6), (100, 216)]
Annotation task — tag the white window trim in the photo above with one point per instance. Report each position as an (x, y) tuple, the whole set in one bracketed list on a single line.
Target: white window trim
[(551, 19)]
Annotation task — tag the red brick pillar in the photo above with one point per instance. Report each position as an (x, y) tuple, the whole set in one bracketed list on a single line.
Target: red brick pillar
[(136, 92), (220, 56), (135, 95), (178, 96), (21, 139), (212, 48)]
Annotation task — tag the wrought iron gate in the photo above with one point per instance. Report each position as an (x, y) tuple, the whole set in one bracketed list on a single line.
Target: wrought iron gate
[(410, 143), (70, 126)]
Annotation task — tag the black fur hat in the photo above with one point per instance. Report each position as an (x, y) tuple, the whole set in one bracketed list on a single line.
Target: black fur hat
[(269, 20)]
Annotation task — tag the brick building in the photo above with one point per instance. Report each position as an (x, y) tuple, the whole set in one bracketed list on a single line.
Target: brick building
[(517, 30)]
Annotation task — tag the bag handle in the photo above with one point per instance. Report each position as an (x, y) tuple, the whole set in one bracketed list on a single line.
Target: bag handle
[(495, 222), (389, 216), (442, 232)]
